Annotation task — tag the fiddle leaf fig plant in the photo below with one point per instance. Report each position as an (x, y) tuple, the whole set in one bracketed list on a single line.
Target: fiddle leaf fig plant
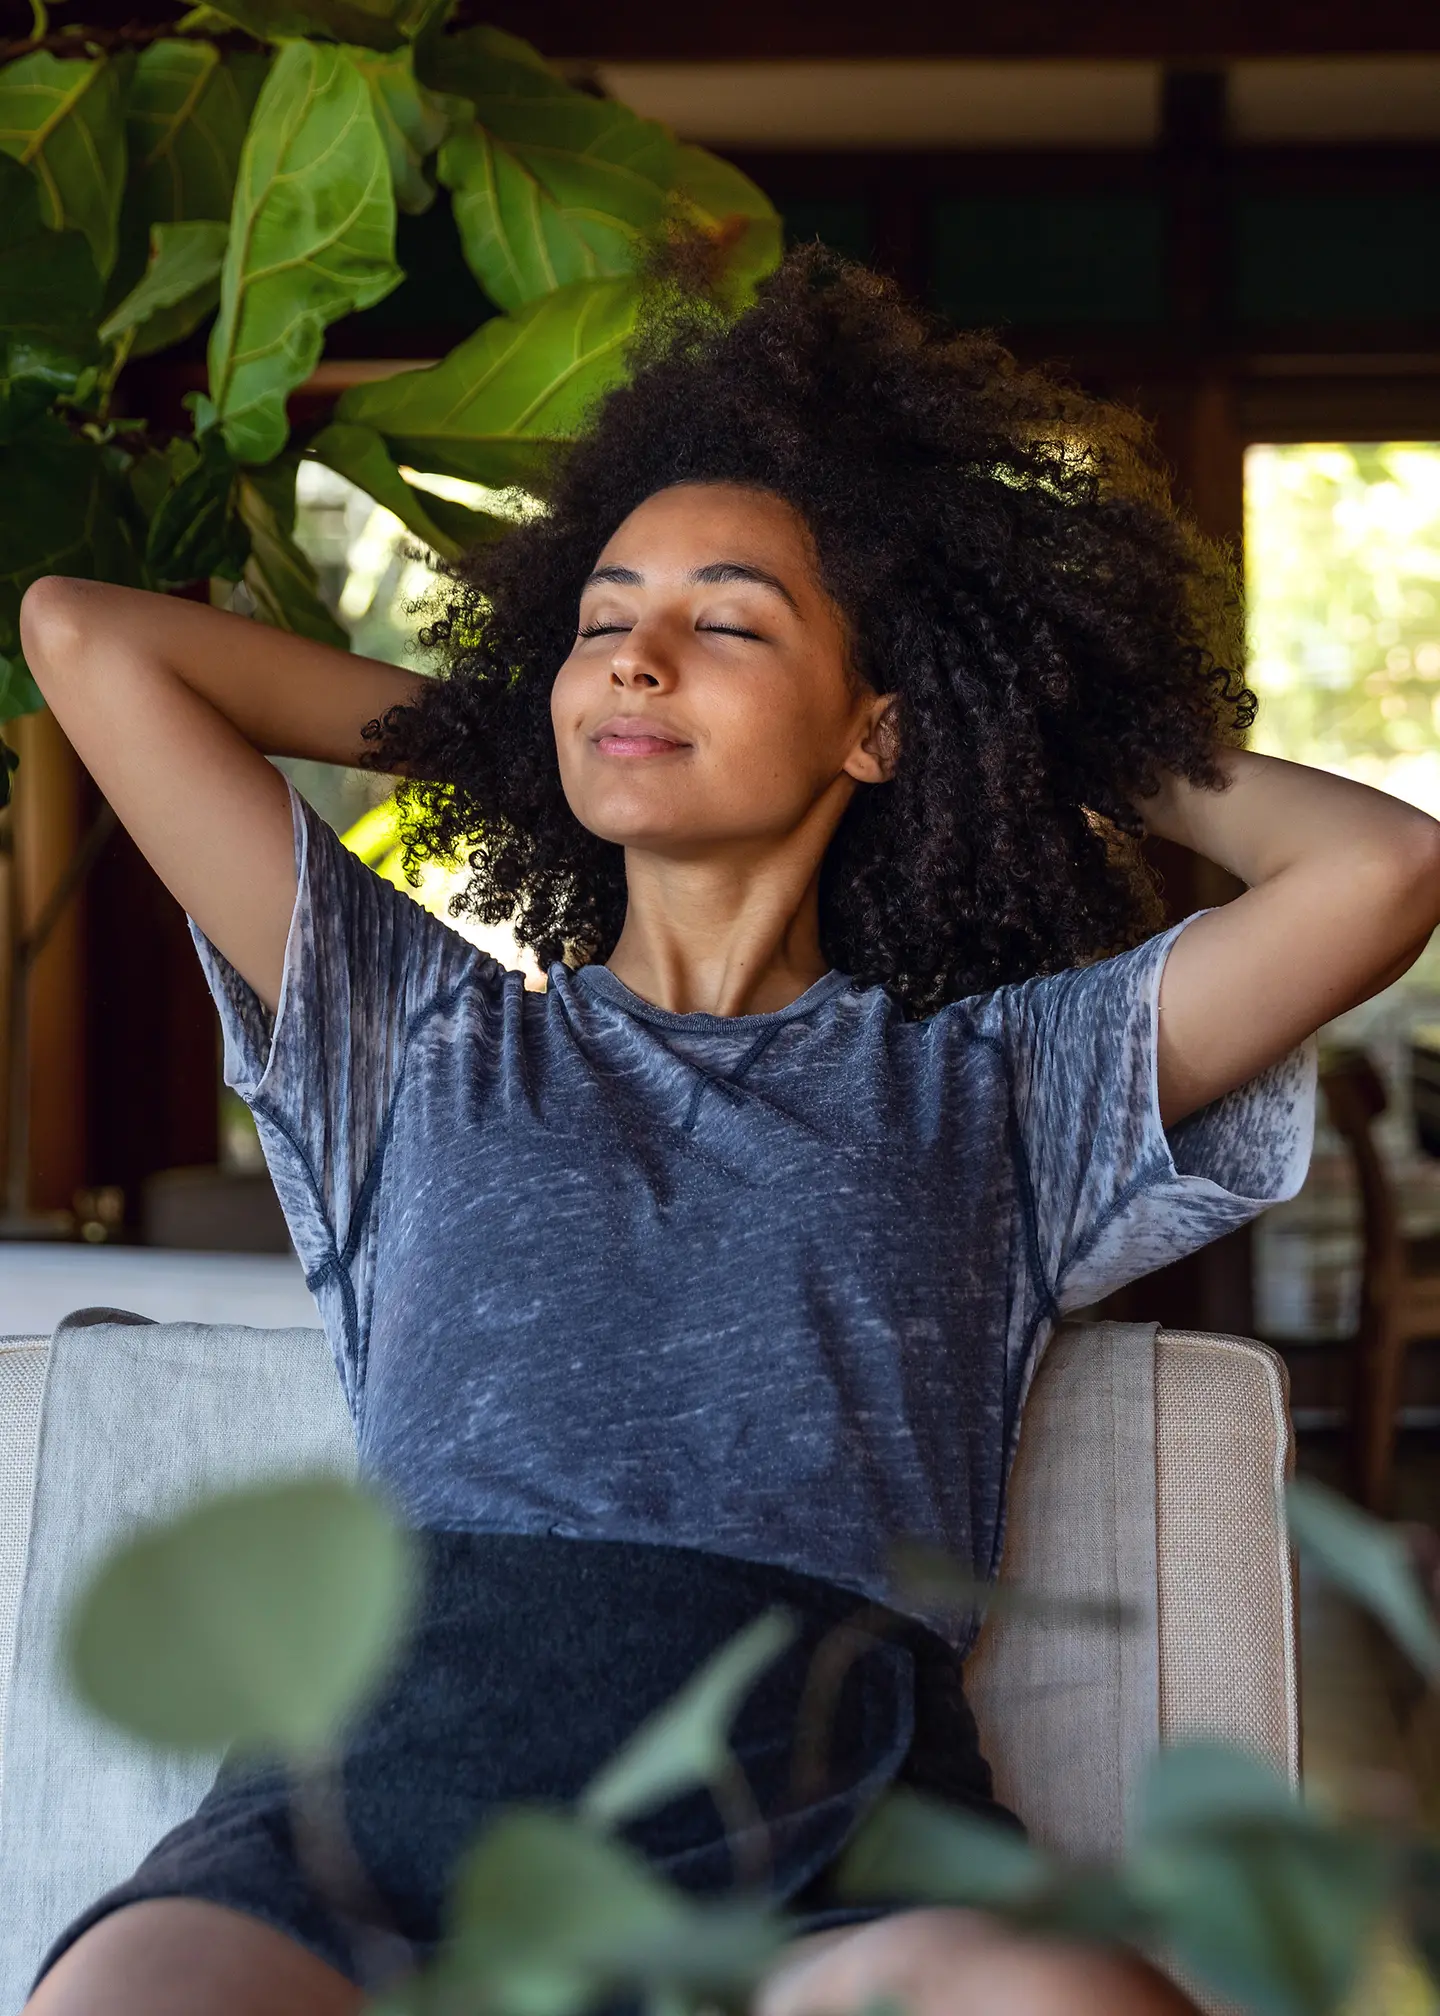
[(236, 173)]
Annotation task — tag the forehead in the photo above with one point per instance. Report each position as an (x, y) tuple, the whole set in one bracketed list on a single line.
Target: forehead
[(697, 520)]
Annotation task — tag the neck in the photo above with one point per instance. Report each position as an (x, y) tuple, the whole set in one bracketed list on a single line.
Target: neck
[(732, 934)]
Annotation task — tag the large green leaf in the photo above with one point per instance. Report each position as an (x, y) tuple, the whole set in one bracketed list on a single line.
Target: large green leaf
[(49, 297), (493, 410), (686, 1743), (262, 1618), (412, 121), (713, 193), (34, 373), (180, 286), (52, 497), (359, 454), (312, 236), (62, 117), (369, 24), (281, 579), (550, 184), (548, 1918), (1370, 1562), (48, 282), (18, 695), (197, 531), (185, 117)]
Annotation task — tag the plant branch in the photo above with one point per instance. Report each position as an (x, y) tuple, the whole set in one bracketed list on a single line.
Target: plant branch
[(76, 39), (72, 875)]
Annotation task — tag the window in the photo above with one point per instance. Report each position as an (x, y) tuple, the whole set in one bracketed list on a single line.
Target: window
[(1342, 559)]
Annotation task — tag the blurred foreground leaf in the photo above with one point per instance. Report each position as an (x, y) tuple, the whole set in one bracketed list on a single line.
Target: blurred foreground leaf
[(929, 1575), (686, 1743), (915, 1847), (1226, 1871), (548, 1918), (263, 1618), (1371, 1563), (1260, 1897)]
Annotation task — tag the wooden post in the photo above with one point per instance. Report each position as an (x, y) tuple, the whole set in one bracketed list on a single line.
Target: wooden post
[(46, 820)]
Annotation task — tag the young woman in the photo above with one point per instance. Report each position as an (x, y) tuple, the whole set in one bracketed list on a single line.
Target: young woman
[(809, 734)]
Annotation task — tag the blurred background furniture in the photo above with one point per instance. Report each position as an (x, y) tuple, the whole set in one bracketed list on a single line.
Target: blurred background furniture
[(1148, 1474), (40, 1283), (1399, 1298)]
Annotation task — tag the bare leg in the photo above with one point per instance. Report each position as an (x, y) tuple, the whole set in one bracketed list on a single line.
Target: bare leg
[(174, 1956), (961, 1963)]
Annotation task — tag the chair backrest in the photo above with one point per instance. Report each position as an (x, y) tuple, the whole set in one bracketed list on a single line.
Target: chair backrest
[(22, 1386), (1149, 1473)]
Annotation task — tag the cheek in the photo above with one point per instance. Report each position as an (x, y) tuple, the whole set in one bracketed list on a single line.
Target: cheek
[(774, 730), (564, 694)]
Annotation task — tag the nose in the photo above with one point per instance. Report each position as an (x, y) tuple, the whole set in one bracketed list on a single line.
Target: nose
[(640, 662)]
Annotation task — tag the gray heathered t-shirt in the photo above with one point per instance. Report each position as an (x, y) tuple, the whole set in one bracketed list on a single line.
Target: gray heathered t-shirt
[(770, 1285)]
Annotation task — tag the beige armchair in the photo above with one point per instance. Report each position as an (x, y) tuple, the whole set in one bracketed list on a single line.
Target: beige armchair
[(1148, 1471)]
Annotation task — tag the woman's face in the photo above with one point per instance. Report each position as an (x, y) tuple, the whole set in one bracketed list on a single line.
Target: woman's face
[(707, 697)]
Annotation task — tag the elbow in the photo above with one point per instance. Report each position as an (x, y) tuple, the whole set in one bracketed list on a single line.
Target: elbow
[(54, 624), (1410, 871)]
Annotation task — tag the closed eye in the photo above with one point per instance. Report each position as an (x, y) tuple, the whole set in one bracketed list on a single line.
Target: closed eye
[(721, 629)]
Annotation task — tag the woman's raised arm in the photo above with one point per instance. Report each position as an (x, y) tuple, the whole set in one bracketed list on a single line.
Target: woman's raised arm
[(1344, 892), (173, 708)]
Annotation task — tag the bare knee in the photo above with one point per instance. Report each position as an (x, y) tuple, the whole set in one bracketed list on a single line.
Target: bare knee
[(179, 1957), (953, 1963)]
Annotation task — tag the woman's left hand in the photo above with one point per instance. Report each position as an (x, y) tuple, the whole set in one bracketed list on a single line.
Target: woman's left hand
[(1344, 891)]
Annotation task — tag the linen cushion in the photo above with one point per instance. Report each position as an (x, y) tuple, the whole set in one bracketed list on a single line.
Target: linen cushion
[(1069, 1713), (1227, 1606), (137, 1420), (22, 1382)]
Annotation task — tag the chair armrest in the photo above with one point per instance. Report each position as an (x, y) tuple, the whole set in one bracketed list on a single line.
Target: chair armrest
[(1226, 1586)]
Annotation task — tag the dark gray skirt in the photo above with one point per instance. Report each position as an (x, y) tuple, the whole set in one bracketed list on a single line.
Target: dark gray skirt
[(533, 1659)]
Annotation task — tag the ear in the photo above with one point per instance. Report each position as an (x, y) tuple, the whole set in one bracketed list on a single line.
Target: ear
[(873, 758)]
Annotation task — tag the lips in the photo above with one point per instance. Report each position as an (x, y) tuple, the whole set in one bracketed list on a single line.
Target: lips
[(632, 736)]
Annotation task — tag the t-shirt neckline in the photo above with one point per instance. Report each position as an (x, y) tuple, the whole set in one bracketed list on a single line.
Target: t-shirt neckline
[(600, 981)]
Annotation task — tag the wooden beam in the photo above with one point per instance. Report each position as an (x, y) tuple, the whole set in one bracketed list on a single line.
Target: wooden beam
[(1184, 31), (47, 825), (1187, 31)]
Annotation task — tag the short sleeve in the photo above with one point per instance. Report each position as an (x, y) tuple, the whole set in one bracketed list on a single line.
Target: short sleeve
[(1109, 1193), (364, 964)]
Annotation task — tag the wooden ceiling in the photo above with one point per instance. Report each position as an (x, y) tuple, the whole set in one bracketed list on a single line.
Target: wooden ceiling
[(1173, 31), (1170, 30)]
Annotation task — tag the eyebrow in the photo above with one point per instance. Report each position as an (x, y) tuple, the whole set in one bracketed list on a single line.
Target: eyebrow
[(715, 575)]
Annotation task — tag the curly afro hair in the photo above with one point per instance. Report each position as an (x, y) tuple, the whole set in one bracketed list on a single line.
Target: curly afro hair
[(1007, 561)]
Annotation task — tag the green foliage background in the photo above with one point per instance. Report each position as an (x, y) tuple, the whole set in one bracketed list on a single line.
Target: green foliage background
[(244, 169)]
